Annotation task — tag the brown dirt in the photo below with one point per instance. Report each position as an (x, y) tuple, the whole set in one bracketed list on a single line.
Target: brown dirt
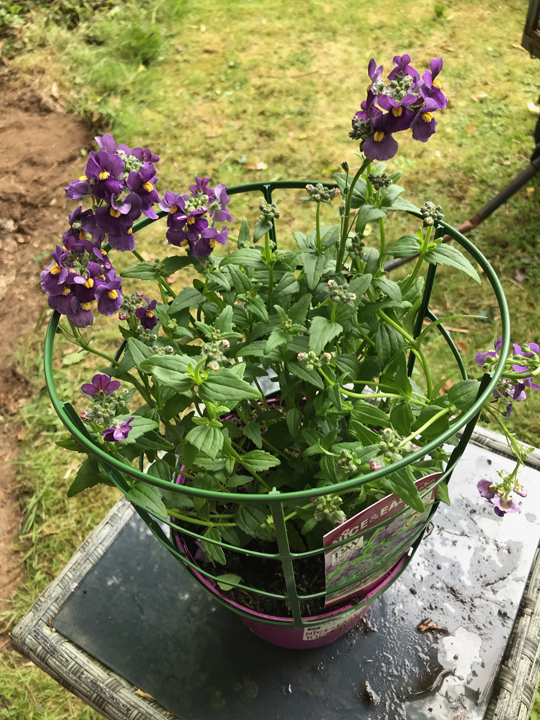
[(41, 153)]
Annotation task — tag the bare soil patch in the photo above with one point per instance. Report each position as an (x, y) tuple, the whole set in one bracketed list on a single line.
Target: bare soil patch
[(41, 153)]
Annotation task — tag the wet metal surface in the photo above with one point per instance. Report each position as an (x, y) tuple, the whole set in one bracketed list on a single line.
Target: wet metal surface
[(141, 614)]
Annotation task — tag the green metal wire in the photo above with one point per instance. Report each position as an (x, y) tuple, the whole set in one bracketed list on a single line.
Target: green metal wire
[(118, 470)]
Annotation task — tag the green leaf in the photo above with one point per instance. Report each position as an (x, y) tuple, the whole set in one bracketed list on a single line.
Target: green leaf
[(139, 351), (359, 285), (321, 332), (276, 338), (368, 414), (448, 255), (224, 386), (294, 419), (258, 308), (69, 443), (402, 418), (310, 376), (463, 394), (142, 271), (442, 493), (288, 285), (244, 235), (240, 280), (313, 268), (389, 288), (402, 485), (330, 235), (388, 342), (261, 228), (402, 204), (74, 358), (392, 192), (223, 580), (367, 214), (253, 432), (224, 321), (174, 263), (174, 500), (161, 469), (247, 257), (213, 552), (149, 498), (259, 460), (87, 477), (359, 192), (299, 310), (363, 434), (439, 426), (206, 438), (406, 246), (239, 480), (189, 297), (304, 242), (348, 364), (371, 308), (249, 519)]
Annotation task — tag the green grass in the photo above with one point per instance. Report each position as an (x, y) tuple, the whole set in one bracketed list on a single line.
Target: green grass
[(216, 87)]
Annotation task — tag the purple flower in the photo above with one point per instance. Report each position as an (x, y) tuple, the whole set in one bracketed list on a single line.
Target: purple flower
[(534, 350), (401, 65), (79, 188), (100, 384), (53, 279), (85, 283), (61, 302), (480, 358), (119, 431), (119, 225), (200, 554), (172, 203), (79, 314), (142, 183), (105, 170), (400, 116), (146, 314), (186, 228), (375, 74), (431, 88), (424, 124), (109, 296), (145, 156), (207, 241), (504, 504), (217, 208), (381, 146), (201, 187), (81, 224), (108, 144)]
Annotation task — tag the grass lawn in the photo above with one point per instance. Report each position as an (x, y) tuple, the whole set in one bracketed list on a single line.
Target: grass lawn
[(224, 88)]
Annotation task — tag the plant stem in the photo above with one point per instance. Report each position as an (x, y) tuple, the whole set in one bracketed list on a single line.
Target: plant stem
[(346, 216), (383, 242), (318, 229), (206, 523), (430, 422), (396, 326), (269, 263)]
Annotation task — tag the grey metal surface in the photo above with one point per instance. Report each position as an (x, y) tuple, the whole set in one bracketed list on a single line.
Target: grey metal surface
[(468, 576)]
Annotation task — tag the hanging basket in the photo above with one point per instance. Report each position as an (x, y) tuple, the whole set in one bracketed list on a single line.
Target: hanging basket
[(301, 630)]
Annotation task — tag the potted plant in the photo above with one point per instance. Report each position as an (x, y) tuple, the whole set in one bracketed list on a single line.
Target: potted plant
[(267, 412)]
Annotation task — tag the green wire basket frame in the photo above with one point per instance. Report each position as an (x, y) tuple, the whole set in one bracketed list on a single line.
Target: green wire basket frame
[(117, 470)]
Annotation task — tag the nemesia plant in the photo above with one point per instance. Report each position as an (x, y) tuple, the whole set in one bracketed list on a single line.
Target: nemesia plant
[(324, 323)]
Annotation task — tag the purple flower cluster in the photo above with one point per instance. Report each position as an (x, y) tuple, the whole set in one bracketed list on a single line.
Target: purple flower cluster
[(502, 502), (514, 390), (187, 222), (407, 101), (125, 181), (81, 273)]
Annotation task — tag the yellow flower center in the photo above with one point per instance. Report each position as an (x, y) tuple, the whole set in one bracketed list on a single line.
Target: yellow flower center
[(102, 277), (427, 117), (370, 85), (103, 252), (115, 213), (173, 209), (397, 112), (130, 231), (436, 83), (148, 187), (83, 178), (55, 269), (379, 135), (112, 294), (89, 283), (183, 243), (149, 314), (212, 243), (82, 234), (66, 291), (104, 175), (190, 220), (85, 306)]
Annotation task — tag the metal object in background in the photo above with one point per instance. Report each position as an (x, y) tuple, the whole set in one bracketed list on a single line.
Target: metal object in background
[(531, 32)]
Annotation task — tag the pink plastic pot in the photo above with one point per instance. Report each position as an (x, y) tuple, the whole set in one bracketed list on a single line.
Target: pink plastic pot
[(323, 629)]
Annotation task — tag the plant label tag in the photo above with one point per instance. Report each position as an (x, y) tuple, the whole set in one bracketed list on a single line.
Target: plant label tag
[(375, 545)]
